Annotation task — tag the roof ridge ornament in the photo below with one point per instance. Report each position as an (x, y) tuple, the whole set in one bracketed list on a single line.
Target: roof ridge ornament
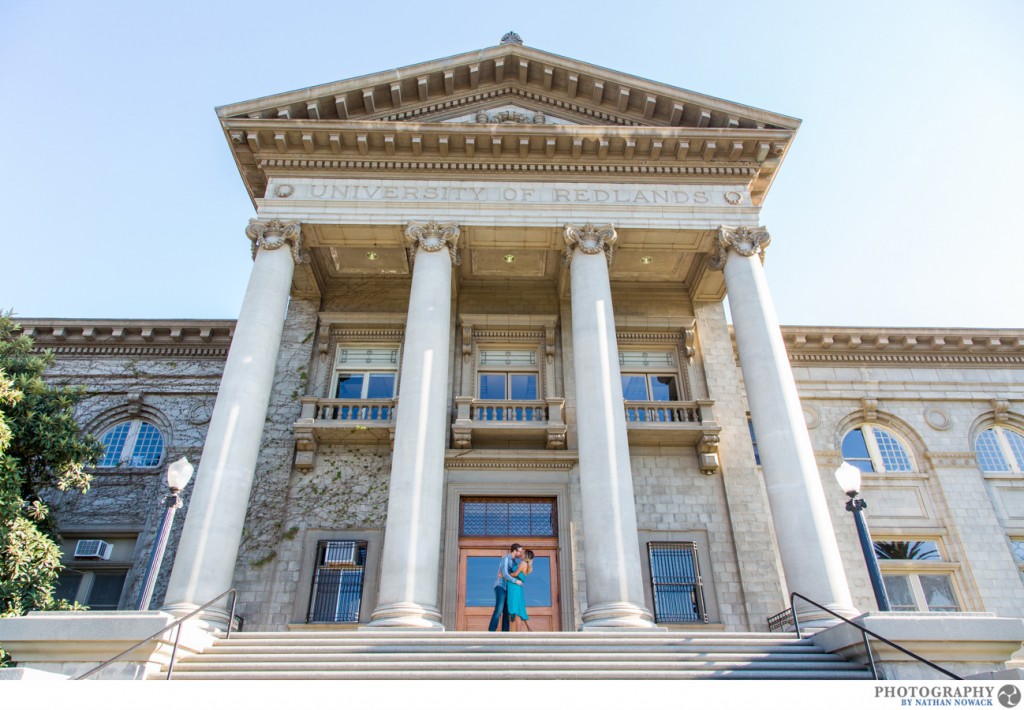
[(511, 38)]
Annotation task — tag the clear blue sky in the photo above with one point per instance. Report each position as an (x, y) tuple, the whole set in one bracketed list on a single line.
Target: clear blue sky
[(897, 206)]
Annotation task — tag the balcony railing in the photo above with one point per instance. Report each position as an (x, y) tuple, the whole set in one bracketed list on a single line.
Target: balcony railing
[(335, 421), (484, 420), (669, 422)]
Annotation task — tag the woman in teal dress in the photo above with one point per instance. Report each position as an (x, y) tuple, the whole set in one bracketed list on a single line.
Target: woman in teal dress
[(516, 600)]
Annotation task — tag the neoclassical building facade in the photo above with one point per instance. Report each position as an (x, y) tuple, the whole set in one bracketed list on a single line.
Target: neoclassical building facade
[(487, 306)]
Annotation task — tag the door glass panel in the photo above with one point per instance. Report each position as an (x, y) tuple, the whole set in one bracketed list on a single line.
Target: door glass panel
[(537, 585), (481, 574), (492, 386), (663, 388), (524, 386), (634, 388), (350, 385), (382, 385)]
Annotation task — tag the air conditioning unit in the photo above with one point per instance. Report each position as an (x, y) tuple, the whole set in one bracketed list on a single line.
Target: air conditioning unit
[(93, 550), (341, 554)]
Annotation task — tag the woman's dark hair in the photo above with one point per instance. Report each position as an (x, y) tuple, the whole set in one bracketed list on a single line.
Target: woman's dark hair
[(528, 554)]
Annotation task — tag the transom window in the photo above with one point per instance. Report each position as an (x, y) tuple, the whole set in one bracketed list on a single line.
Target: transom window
[(649, 376), (136, 443), (1000, 450), (508, 517), (507, 375), (875, 450), (365, 373)]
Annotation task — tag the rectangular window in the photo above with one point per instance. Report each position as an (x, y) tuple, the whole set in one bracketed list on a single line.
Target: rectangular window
[(337, 590), (508, 386), (675, 582), (916, 576), (638, 387), (100, 589), (365, 373)]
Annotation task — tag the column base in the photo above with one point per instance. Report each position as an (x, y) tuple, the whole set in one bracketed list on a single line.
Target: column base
[(208, 619), (405, 615), (618, 615), (813, 618)]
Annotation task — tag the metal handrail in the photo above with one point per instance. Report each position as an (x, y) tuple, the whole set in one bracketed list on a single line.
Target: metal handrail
[(864, 633), (177, 624)]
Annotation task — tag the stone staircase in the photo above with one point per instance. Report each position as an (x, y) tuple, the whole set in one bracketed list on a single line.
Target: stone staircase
[(423, 655)]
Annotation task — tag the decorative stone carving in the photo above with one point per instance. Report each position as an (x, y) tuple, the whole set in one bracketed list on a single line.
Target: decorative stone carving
[(511, 38), (1000, 410), (811, 417), (134, 403), (938, 418), (870, 409), (535, 117), (432, 237), (745, 241), (689, 338), (589, 239), (707, 450), (284, 191), (274, 234)]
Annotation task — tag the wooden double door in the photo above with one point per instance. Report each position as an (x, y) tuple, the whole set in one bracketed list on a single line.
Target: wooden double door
[(479, 558)]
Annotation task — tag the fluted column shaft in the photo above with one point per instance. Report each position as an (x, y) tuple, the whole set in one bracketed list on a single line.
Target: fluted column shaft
[(205, 560), (411, 557), (806, 538), (615, 596)]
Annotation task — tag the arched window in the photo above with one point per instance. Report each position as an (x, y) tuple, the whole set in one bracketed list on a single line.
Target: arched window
[(1000, 450), (136, 443), (875, 450)]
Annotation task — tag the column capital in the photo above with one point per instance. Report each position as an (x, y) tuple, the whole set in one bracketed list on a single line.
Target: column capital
[(433, 236), (745, 241), (273, 234), (589, 239)]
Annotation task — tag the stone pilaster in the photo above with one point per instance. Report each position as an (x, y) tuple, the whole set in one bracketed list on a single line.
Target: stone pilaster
[(615, 596), (807, 542), (411, 558), (205, 560)]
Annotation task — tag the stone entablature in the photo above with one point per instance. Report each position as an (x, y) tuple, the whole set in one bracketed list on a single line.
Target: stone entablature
[(905, 346), (108, 337), (422, 115)]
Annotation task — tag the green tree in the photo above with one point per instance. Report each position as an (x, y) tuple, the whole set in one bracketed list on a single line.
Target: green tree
[(42, 449)]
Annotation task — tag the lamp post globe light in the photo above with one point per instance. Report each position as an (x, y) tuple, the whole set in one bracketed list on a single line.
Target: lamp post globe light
[(179, 474), (848, 477)]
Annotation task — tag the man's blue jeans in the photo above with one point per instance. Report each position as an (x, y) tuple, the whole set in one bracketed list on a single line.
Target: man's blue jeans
[(500, 609)]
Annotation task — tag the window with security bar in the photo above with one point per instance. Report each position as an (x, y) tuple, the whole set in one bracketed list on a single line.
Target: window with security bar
[(508, 517), (338, 582), (676, 584)]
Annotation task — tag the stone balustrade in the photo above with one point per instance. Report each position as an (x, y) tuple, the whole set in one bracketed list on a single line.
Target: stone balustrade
[(487, 419)]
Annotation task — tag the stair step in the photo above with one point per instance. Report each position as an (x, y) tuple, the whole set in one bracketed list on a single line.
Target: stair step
[(418, 655), (517, 674)]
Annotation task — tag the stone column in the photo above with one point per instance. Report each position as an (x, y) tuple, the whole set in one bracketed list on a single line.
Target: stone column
[(807, 541), (615, 592), (205, 561), (411, 558)]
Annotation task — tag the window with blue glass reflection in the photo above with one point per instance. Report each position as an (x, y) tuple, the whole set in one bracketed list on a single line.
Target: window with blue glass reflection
[(508, 386), (649, 388)]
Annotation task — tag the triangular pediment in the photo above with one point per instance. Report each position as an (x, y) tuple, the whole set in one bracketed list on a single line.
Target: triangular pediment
[(516, 72), (501, 109)]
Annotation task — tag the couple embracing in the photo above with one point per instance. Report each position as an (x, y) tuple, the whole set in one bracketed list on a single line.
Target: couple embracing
[(509, 601)]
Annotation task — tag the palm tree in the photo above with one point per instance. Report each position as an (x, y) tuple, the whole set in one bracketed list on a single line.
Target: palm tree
[(906, 550)]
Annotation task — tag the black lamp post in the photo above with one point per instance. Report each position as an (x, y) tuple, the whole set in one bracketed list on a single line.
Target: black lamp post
[(179, 474), (849, 478)]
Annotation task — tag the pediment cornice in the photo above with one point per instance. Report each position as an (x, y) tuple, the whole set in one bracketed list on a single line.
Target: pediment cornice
[(418, 119)]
